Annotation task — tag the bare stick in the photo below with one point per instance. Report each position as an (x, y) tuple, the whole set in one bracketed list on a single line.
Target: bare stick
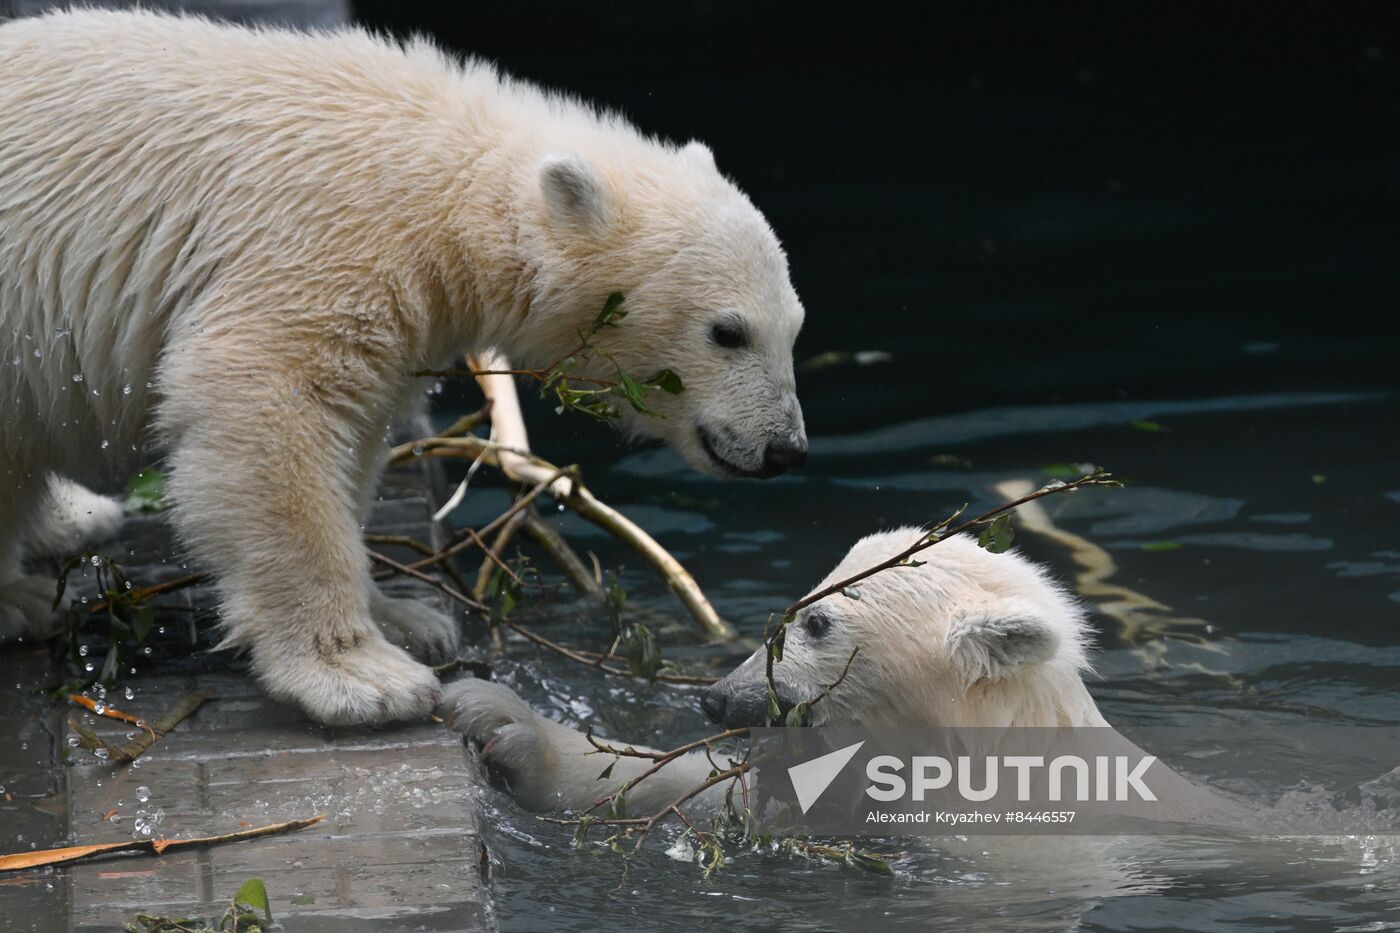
[(594, 659), (24, 860), (432, 581), (145, 593)]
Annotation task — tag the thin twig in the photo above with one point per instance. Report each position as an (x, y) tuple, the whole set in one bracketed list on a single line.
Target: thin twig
[(432, 581), (591, 658), (178, 712), (1097, 478), (144, 593)]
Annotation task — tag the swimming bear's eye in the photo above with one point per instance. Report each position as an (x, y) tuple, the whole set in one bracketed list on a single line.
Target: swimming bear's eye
[(817, 624), (730, 335)]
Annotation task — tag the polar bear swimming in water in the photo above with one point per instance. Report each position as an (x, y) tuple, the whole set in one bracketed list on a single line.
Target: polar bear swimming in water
[(242, 243), (968, 638)]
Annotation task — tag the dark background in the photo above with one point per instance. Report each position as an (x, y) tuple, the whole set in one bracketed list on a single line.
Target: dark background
[(1024, 202)]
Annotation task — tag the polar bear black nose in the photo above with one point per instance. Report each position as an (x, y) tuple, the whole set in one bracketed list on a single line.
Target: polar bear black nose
[(712, 702), (783, 454)]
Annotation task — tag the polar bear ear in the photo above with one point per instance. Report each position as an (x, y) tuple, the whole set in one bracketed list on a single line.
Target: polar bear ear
[(574, 192), (699, 153), (986, 646)]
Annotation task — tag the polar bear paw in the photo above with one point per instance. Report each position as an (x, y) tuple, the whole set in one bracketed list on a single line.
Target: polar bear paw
[(479, 709), (369, 681), (26, 610), (515, 741), (73, 518), (424, 632)]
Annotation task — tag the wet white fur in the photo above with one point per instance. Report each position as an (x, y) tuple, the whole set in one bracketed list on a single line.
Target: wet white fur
[(970, 638), (244, 241)]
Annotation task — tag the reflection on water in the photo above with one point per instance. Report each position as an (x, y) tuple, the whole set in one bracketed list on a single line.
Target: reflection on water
[(1247, 575)]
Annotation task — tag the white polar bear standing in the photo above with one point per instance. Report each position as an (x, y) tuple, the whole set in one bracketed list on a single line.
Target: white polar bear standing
[(245, 241), (969, 638)]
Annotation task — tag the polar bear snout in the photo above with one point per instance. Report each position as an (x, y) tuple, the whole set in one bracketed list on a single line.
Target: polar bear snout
[(771, 456), (737, 704), (788, 452)]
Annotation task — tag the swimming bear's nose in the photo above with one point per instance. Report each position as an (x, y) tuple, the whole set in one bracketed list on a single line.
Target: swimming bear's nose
[(785, 453), (712, 702)]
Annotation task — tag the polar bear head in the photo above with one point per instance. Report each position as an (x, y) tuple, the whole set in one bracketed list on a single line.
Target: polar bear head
[(706, 292), (967, 638)]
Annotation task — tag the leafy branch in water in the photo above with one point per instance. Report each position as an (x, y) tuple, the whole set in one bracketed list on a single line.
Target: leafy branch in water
[(130, 617), (737, 823), (562, 379)]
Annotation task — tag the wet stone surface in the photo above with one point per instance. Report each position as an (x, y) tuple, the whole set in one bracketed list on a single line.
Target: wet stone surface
[(399, 847)]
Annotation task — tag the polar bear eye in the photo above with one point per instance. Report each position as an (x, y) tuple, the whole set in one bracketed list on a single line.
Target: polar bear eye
[(817, 624), (730, 335)]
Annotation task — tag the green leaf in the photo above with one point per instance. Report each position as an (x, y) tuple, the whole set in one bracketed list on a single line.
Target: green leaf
[(1146, 426), (858, 859), (607, 772), (1162, 545), (775, 711), (253, 893), (612, 313), (111, 665), (641, 650), (776, 647), (141, 621), (633, 391), (796, 717), (997, 536), (667, 381), (145, 492)]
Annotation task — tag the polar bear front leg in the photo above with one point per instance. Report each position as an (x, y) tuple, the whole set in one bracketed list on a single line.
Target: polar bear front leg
[(550, 767), (26, 602), (71, 519), (265, 493)]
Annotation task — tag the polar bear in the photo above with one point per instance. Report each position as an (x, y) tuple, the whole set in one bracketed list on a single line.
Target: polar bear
[(242, 243), (968, 638)]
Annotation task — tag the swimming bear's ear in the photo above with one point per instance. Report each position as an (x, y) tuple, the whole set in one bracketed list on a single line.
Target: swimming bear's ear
[(997, 645), (574, 192)]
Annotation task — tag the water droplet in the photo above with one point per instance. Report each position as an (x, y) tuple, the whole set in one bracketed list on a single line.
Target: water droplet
[(126, 390), (77, 377), (143, 793)]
